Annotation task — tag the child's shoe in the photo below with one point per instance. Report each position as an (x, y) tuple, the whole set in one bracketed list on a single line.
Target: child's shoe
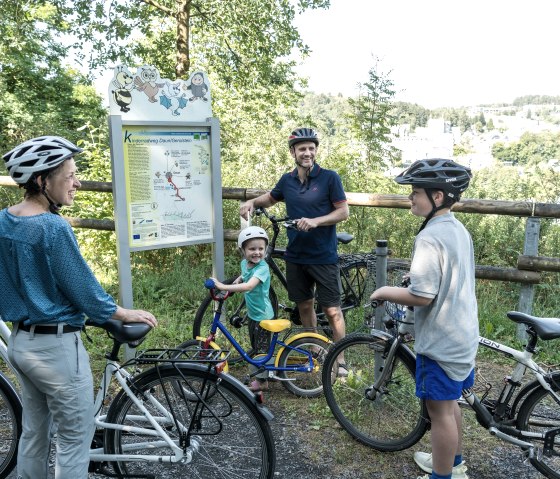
[(424, 461)]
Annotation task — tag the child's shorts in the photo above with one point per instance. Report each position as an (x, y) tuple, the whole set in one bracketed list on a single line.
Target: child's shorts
[(433, 383)]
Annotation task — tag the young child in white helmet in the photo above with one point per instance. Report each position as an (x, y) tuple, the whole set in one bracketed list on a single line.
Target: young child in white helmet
[(254, 281)]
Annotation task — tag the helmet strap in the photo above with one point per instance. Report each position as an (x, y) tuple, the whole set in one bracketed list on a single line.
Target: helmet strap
[(53, 207), (435, 209)]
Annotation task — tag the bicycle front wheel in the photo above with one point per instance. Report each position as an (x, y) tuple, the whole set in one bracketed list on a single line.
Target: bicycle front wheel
[(10, 426), (396, 418), (303, 383), (234, 311), (224, 430), (539, 414)]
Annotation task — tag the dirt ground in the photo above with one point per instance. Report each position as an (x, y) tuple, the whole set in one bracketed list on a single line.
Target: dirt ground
[(311, 445)]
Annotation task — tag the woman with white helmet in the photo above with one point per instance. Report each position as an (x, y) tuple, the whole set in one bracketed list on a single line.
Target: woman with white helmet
[(48, 291), (255, 283)]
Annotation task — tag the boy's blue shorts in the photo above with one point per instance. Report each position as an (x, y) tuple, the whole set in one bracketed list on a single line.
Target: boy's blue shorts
[(433, 383)]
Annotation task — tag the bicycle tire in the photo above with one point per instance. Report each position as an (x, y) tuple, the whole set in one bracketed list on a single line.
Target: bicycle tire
[(538, 413), (10, 426), (397, 419), (235, 437), (353, 278), (304, 384), (233, 306)]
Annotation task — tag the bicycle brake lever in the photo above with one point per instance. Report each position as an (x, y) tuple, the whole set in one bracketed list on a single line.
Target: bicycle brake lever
[(290, 224)]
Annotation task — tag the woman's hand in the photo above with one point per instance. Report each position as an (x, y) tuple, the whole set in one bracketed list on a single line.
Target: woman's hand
[(135, 316)]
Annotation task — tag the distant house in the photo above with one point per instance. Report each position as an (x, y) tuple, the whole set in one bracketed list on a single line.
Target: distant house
[(433, 141)]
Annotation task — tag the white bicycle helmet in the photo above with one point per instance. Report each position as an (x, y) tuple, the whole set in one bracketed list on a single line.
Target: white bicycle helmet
[(251, 232), (36, 155)]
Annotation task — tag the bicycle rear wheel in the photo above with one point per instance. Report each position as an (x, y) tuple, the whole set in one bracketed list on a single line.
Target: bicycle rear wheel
[(304, 384), (540, 413), (353, 277), (10, 426), (234, 307), (396, 419), (228, 435)]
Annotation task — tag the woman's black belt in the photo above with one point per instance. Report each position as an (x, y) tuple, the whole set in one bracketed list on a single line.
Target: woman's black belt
[(48, 329)]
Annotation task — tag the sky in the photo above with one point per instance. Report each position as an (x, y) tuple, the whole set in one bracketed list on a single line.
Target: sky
[(436, 52)]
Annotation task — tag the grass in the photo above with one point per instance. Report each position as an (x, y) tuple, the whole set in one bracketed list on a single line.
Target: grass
[(169, 283)]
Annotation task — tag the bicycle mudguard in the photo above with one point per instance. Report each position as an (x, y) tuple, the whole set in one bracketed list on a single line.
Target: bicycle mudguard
[(291, 339), (215, 346)]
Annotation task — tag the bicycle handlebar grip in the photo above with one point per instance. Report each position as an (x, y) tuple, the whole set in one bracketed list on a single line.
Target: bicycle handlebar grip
[(209, 284)]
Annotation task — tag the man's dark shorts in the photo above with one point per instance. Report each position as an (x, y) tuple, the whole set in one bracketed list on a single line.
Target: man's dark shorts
[(304, 278)]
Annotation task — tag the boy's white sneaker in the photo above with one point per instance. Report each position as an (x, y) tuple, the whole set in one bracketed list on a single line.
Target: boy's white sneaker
[(424, 461)]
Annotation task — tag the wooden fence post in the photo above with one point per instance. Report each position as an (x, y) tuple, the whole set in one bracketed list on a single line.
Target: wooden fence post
[(531, 247)]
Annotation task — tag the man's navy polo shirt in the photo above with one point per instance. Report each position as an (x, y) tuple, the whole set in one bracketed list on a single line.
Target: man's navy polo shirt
[(316, 197)]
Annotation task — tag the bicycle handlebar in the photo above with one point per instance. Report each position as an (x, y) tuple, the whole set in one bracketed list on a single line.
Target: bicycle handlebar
[(216, 294), (286, 221)]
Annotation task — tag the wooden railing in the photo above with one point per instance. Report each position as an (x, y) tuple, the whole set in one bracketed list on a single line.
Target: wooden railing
[(528, 266)]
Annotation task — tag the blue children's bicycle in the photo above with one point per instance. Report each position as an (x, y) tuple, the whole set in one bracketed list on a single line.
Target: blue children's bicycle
[(297, 362)]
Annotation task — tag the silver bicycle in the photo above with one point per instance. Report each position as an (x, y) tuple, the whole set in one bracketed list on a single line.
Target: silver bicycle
[(377, 404), (171, 416)]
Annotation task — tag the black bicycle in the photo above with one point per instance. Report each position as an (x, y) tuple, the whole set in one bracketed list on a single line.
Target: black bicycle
[(355, 273)]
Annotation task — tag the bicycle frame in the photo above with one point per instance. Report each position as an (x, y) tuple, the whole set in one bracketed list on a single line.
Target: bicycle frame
[(505, 431), (113, 369), (272, 252), (524, 360), (262, 361), (155, 426)]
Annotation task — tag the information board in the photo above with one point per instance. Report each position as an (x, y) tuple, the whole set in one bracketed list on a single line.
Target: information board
[(168, 178)]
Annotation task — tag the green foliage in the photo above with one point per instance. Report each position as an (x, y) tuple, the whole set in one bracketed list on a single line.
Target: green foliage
[(94, 164), (245, 41), (40, 96), (531, 149), (536, 100), (371, 119), (411, 114)]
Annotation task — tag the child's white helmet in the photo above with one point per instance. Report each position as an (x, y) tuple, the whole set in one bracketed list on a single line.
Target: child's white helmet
[(251, 232)]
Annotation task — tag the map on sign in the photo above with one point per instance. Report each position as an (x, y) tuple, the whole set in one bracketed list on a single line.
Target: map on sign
[(168, 185)]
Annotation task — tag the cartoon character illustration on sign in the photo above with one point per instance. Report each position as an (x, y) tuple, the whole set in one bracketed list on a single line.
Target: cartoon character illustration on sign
[(146, 82), (123, 85), (198, 87), (172, 98)]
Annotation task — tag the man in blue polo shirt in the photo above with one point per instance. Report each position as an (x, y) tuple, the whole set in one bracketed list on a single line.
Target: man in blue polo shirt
[(316, 198)]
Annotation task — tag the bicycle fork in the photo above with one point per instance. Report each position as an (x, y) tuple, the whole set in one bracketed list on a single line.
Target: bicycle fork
[(383, 364)]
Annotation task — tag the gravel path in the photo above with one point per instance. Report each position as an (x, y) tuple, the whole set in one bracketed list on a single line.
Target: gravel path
[(307, 448)]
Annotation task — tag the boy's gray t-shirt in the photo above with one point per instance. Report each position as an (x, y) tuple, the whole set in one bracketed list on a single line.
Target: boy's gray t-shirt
[(443, 269)]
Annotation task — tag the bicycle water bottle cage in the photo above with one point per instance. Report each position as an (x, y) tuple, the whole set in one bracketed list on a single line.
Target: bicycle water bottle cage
[(237, 321)]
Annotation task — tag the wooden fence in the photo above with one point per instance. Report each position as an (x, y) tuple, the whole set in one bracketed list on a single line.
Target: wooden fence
[(528, 265)]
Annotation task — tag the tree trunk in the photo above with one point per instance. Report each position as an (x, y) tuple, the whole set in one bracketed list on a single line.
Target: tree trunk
[(183, 55)]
